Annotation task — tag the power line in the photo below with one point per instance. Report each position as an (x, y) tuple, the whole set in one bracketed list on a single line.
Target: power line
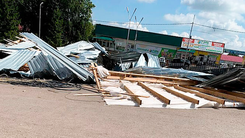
[(219, 28), (159, 24), (142, 23)]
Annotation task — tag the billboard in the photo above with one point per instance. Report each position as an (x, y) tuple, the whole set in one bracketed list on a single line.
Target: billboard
[(203, 45)]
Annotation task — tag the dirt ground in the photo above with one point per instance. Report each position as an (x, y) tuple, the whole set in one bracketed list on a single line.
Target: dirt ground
[(46, 112)]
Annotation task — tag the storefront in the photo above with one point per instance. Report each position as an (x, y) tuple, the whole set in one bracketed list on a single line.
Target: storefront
[(167, 46), (203, 52), (147, 42)]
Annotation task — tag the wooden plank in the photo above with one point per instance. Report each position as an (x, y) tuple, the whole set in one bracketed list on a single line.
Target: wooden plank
[(159, 96), (187, 98), (149, 76), (218, 94), (238, 94), (113, 77), (95, 76), (135, 98), (151, 80), (202, 95)]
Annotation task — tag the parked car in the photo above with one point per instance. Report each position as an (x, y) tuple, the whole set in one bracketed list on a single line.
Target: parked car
[(179, 63)]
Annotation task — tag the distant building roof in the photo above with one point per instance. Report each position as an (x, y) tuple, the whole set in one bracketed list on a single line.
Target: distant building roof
[(231, 58), (118, 32), (234, 52)]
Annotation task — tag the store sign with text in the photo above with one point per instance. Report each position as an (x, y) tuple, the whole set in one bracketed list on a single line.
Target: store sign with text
[(202, 45), (148, 49)]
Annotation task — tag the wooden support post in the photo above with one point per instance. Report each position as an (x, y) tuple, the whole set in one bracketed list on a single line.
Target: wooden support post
[(135, 98), (95, 76), (187, 98), (218, 94), (159, 96), (202, 95)]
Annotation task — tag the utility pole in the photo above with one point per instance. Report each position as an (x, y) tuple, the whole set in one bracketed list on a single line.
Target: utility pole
[(129, 25), (187, 49), (40, 7), (135, 38)]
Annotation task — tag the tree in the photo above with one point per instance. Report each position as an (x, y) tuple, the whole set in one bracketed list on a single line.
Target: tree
[(63, 21), (56, 35), (9, 19)]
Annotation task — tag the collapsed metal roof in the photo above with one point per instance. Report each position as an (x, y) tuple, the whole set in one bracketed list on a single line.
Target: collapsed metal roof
[(82, 73), (44, 65), (17, 59), (99, 47)]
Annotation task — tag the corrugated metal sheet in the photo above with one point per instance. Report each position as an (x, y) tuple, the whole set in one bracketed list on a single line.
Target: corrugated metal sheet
[(65, 61), (45, 65), (22, 45), (17, 59), (59, 69), (39, 66), (99, 47), (77, 47)]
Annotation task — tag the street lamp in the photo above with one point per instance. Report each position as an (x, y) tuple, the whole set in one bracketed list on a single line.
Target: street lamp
[(40, 7), (129, 24), (135, 38), (189, 38)]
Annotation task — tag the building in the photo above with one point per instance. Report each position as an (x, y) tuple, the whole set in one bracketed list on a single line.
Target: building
[(115, 39)]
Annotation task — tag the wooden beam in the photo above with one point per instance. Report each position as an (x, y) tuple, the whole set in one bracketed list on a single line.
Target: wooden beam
[(218, 94), (238, 94), (159, 96), (145, 75), (202, 95), (113, 77), (151, 80), (187, 98), (135, 98), (95, 76)]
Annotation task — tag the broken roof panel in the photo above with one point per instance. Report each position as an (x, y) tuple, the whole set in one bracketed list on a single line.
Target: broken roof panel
[(78, 47), (82, 73), (17, 59), (99, 47), (59, 69), (22, 45), (39, 66)]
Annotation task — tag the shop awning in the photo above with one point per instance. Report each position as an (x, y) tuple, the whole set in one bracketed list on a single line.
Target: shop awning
[(105, 38)]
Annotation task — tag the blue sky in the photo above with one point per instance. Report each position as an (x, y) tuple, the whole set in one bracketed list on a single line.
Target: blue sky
[(215, 20)]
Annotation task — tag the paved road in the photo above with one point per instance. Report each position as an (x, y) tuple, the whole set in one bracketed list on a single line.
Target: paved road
[(45, 112)]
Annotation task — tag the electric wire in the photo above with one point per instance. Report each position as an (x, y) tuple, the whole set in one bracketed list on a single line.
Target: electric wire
[(159, 24)]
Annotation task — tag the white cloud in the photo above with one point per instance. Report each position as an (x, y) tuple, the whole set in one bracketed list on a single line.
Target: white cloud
[(222, 14), (163, 32), (133, 25), (183, 34), (219, 6), (147, 1), (179, 18)]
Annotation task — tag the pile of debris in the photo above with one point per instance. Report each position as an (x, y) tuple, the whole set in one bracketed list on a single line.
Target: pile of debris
[(144, 83), (144, 90), (32, 57)]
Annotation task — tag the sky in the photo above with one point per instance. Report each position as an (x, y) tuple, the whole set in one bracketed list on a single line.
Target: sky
[(214, 20)]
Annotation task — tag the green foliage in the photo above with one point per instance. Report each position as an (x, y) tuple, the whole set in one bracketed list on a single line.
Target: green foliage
[(55, 37), (63, 21), (9, 19)]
